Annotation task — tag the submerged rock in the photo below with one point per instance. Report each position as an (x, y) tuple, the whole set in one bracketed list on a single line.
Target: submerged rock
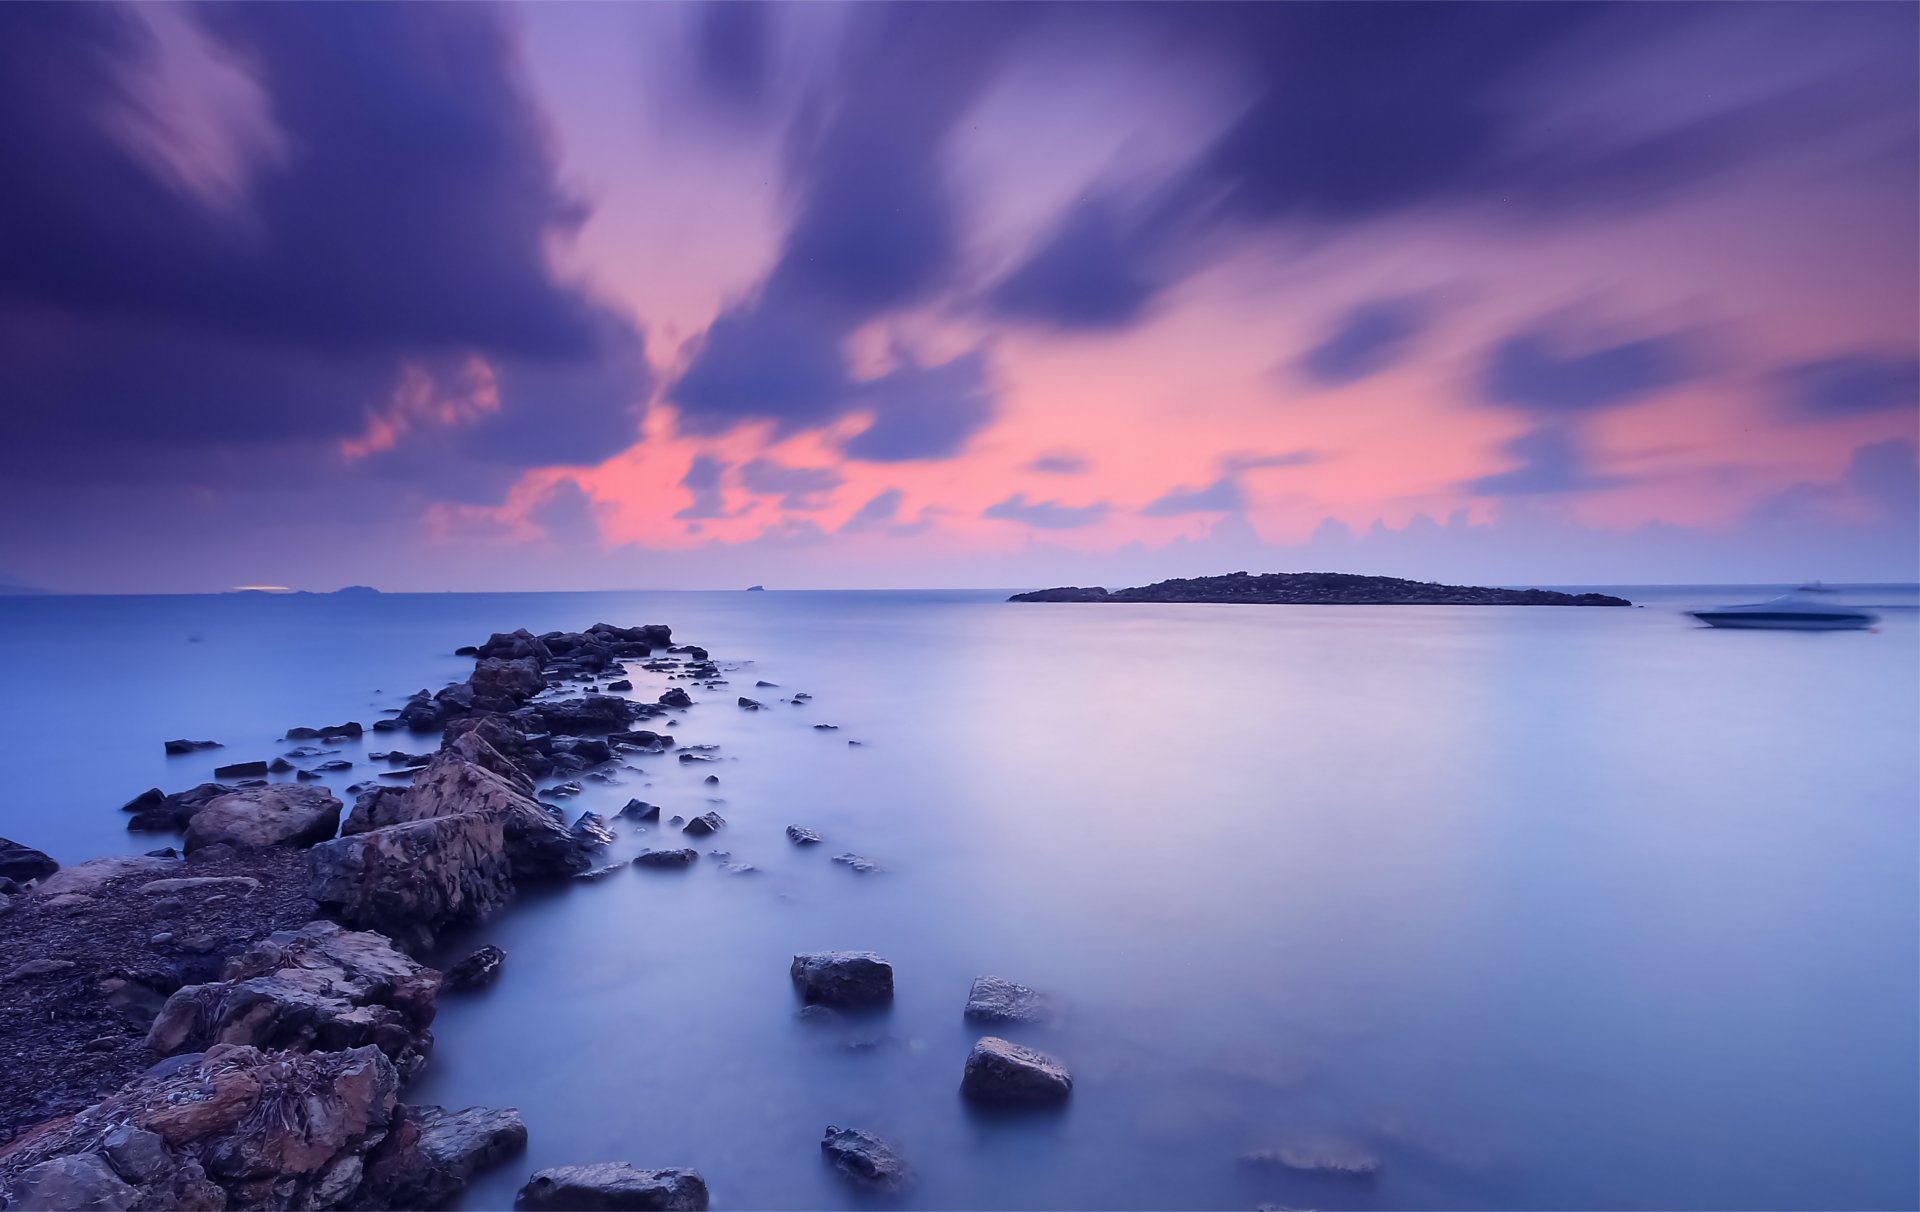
[(865, 866), (1317, 1155), (640, 810), (240, 770), (176, 748), (1006, 1074), (704, 824), (867, 1159), (479, 968), (802, 837), (750, 704), (666, 858), (614, 1186), (842, 978), (995, 1000)]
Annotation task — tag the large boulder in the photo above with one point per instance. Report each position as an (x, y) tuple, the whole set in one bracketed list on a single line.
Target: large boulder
[(502, 685), (504, 736), (318, 988), (376, 808), (614, 1186), (1006, 1074), (173, 812), (22, 864), (432, 1153), (842, 978), (537, 844), (869, 1160), (257, 817), (413, 879), (514, 645)]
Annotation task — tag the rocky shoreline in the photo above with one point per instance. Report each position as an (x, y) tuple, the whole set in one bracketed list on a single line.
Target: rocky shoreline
[(1318, 589)]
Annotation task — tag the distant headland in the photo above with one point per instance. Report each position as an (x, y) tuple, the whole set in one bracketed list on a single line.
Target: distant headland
[(1319, 589)]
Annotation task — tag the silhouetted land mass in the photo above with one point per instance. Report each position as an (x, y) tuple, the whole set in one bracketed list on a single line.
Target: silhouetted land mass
[(1319, 589)]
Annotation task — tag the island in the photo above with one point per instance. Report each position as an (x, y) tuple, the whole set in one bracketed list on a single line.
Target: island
[(1319, 589)]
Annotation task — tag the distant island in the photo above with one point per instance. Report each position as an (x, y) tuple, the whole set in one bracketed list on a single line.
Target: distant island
[(756, 589), (1319, 589)]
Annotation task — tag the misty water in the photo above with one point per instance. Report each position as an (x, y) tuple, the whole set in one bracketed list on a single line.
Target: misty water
[(1546, 908)]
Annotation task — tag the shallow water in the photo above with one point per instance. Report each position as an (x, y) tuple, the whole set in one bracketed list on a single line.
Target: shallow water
[(1549, 908)]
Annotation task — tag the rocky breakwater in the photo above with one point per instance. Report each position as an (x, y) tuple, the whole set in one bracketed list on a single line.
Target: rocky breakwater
[(1319, 589)]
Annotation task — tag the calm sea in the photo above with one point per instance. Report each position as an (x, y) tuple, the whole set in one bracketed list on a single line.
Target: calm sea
[(1548, 908)]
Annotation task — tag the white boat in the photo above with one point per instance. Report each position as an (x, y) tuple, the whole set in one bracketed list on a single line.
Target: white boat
[(1808, 608)]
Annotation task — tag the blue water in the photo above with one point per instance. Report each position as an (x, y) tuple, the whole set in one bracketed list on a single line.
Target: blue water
[(1549, 908)]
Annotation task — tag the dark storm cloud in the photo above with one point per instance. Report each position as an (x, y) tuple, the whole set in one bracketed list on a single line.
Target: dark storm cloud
[(1550, 459), (1851, 384), (1045, 515), (404, 221), (1533, 371), (1370, 338), (799, 488)]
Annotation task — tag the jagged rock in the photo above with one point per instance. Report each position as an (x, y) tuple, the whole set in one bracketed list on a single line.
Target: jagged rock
[(146, 801), (640, 810), (994, 1000), (615, 1186), (842, 978), (537, 845), (76, 1181), (503, 685), (642, 739), (596, 714), (867, 1159), (620, 684), (666, 858), (1005, 1073), (704, 824), (750, 704), (413, 879), (591, 830), (865, 866), (320, 987), (521, 643), (478, 969), (265, 816), (802, 837), (176, 748), (676, 697), (375, 808), (330, 732), (1317, 1155), (23, 863), (433, 1153)]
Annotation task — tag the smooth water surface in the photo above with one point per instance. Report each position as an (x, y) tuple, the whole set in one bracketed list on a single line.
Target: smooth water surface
[(1548, 908)]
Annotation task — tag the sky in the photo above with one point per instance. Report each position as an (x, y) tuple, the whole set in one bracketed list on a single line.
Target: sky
[(564, 296)]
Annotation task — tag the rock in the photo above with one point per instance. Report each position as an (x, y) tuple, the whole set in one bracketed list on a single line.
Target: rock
[(994, 1000), (413, 879), (750, 704), (38, 967), (318, 988), (802, 837), (594, 715), (146, 801), (478, 969), (642, 739), (503, 685), (704, 824), (1007, 1074), (241, 884), (867, 1159), (375, 808), (842, 978), (240, 770), (336, 765), (432, 1153), (176, 748), (521, 643), (864, 866), (766, 685), (640, 810), (266, 816), (330, 732), (826, 727), (676, 697), (88, 877), (537, 845), (237, 1128), (666, 858), (1318, 1155), (620, 684), (591, 830), (23, 863), (711, 780), (615, 1185)]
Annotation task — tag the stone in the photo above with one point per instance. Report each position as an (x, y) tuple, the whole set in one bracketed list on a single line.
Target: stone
[(477, 969), (750, 704), (1318, 1155), (241, 884), (76, 1181), (240, 770), (537, 845), (146, 801), (842, 978), (802, 837), (995, 1000), (675, 697), (704, 824), (614, 1186), (1006, 1074), (591, 830), (640, 810), (22, 864), (503, 685), (136, 1154), (865, 866), (413, 879), (869, 1160), (666, 858), (329, 732), (85, 879), (433, 1153), (38, 967), (266, 816), (176, 748)]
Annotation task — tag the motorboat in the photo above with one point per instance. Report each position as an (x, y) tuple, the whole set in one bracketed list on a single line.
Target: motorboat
[(1808, 608)]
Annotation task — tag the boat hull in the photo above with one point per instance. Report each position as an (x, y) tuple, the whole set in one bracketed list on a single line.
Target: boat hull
[(1785, 620)]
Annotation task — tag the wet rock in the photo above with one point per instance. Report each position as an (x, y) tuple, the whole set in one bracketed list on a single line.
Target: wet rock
[(802, 837), (279, 765), (327, 733), (750, 704), (176, 748), (503, 685), (711, 780), (433, 1153), (864, 866), (265, 816), (146, 801), (640, 810), (594, 715), (826, 727), (537, 845), (620, 684), (334, 766), (591, 830), (515, 645), (842, 978), (676, 697), (614, 1186), (476, 970), (22, 864), (666, 858), (413, 879), (690, 758), (994, 1000), (76, 1181), (1318, 1155), (642, 739), (1006, 1074), (240, 770), (869, 1160), (766, 685), (317, 988)]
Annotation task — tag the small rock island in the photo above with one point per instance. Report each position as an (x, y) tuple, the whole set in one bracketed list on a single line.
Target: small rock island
[(1319, 589)]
